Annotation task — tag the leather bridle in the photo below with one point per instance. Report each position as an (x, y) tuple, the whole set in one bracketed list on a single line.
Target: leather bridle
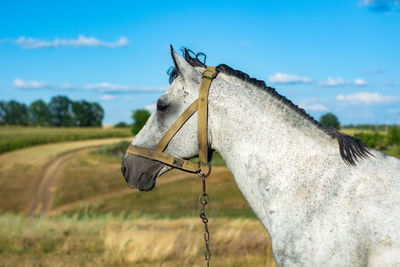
[(201, 106)]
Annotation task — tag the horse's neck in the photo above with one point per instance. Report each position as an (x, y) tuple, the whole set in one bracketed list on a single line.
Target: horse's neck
[(269, 148)]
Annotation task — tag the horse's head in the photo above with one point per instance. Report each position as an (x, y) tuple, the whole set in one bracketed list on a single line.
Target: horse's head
[(141, 172)]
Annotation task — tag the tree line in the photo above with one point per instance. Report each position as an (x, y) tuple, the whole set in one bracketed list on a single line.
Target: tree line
[(60, 112)]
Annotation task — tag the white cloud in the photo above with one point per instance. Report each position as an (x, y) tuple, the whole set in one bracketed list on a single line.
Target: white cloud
[(107, 97), (81, 41), (316, 107), (103, 87), (19, 83), (279, 77), (109, 87), (151, 107), (359, 82), (332, 82), (366, 98), (313, 104), (369, 2)]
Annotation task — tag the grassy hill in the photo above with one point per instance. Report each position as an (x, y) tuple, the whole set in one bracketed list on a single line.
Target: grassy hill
[(22, 170), (95, 220), (129, 228), (17, 137)]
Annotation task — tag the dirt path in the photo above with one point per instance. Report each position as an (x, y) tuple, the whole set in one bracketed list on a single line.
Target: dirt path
[(47, 185), (163, 180)]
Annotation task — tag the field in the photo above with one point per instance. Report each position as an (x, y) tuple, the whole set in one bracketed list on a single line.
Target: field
[(386, 140), (94, 219), (352, 132), (118, 241), (66, 204), (16, 137), (21, 171)]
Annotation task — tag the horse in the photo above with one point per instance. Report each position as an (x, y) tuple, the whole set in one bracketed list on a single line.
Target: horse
[(324, 197)]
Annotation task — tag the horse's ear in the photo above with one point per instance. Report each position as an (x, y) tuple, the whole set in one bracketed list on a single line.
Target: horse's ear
[(183, 67)]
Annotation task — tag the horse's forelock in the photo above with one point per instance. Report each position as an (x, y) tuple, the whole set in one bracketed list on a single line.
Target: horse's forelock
[(192, 58)]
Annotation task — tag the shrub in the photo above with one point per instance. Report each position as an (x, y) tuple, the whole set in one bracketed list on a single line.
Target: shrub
[(393, 136), (121, 125), (330, 120), (140, 117), (114, 150), (373, 140)]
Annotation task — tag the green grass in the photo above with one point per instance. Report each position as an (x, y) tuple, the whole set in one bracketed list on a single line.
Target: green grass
[(385, 141), (12, 138), (393, 151), (351, 131), (116, 150), (83, 178), (177, 199)]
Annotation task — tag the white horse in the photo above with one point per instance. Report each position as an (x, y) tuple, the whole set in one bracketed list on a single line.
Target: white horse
[(324, 198)]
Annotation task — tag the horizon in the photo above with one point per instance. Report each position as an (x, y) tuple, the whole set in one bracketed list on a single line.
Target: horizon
[(333, 56)]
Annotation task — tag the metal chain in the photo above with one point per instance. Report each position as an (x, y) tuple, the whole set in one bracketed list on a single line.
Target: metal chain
[(203, 199)]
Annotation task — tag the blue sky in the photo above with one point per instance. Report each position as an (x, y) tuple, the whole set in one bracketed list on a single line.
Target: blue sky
[(337, 56)]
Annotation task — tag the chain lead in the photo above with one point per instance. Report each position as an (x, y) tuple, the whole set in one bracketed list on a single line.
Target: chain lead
[(203, 199)]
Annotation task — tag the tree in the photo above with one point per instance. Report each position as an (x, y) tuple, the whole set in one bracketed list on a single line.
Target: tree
[(13, 113), (87, 114), (61, 114), (330, 120), (82, 113), (97, 114), (61, 111), (39, 113), (3, 112), (140, 117)]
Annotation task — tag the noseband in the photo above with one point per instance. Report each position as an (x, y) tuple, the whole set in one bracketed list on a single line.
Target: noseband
[(200, 105)]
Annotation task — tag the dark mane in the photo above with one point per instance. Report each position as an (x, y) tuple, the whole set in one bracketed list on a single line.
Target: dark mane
[(351, 148)]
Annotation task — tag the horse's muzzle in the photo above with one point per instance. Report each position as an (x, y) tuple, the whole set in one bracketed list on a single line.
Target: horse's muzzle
[(140, 173)]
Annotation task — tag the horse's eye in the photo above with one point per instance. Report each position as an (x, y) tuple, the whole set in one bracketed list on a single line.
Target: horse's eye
[(161, 106)]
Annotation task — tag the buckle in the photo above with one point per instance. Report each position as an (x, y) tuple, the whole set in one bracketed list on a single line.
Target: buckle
[(210, 74)]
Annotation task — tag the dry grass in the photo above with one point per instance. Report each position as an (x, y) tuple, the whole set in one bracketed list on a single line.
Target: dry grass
[(128, 239), (240, 242), (175, 199), (352, 132), (88, 175), (113, 241), (21, 170)]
